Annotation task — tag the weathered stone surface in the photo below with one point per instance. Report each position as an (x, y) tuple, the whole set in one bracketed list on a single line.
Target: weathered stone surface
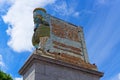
[(66, 38), (62, 37), (42, 68)]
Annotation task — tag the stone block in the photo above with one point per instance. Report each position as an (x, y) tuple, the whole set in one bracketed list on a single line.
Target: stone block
[(38, 67)]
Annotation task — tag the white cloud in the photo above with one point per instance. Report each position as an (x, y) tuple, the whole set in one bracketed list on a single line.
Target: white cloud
[(65, 9), (116, 77), (76, 14), (20, 19), (4, 4), (18, 79), (1, 62)]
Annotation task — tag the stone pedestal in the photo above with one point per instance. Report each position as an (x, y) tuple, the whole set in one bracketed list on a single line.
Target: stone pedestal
[(39, 67)]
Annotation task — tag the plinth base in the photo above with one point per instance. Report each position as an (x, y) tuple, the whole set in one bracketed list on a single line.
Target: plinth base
[(39, 67)]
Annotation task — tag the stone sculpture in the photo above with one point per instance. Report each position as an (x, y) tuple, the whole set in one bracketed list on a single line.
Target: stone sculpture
[(41, 28)]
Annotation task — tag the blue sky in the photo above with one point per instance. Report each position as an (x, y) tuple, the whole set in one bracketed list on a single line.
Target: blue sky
[(99, 18)]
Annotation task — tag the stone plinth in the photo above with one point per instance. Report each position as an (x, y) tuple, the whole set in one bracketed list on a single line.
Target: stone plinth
[(39, 67)]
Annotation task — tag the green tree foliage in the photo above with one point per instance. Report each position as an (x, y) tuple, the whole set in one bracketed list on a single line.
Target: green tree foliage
[(4, 76)]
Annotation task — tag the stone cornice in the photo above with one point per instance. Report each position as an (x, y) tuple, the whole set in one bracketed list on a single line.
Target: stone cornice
[(35, 58)]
